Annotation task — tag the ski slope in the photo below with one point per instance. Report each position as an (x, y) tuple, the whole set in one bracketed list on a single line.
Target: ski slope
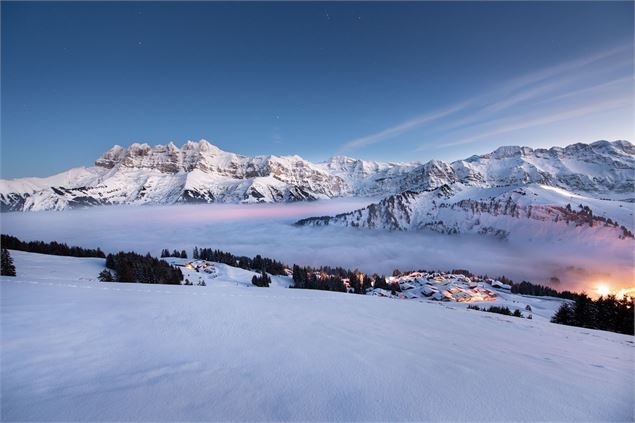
[(74, 349)]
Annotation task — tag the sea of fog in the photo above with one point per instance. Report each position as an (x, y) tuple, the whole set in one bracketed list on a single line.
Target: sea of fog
[(267, 229)]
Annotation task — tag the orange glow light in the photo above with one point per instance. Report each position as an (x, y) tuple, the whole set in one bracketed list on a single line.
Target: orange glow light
[(603, 290)]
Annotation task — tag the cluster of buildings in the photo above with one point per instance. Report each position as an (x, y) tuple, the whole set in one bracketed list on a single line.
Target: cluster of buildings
[(442, 286)]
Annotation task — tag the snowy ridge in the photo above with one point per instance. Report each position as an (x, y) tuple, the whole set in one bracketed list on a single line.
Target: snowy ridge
[(201, 172), (531, 211)]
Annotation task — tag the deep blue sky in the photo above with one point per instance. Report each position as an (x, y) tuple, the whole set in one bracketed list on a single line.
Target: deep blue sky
[(398, 81)]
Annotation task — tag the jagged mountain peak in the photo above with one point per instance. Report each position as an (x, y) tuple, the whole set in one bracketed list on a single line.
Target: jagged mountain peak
[(202, 144), (624, 145), (509, 151), (338, 159), (205, 146), (111, 157), (166, 158), (200, 171), (613, 146)]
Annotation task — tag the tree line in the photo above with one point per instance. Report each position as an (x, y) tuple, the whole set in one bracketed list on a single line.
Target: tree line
[(326, 278), (528, 288), (307, 278), (166, 253), (257, 263), (133, 267), (606, 313), (585, 216), (54, 248), (504, 310)]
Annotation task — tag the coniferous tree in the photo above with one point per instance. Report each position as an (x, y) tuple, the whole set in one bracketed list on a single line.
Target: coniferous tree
[(183, 254), (195, 254), (527, 288), (500, 310), (564, 315), (605, 313), (7, 268), (110, 261), (262, 281), (106, 276), (53, 248), (584, 312), (625, 320), (395, 287), (132, 267), (366, 284), (380, 282)]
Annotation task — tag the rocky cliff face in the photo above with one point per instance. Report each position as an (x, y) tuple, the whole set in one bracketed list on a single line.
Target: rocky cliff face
[(164, 174), (531, 210), (201, 172)]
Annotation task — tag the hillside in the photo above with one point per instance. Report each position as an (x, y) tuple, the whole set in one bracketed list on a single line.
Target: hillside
[(523, 212), (78, 350)]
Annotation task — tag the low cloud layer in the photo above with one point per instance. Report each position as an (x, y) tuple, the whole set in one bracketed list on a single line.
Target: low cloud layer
[(269, 230)]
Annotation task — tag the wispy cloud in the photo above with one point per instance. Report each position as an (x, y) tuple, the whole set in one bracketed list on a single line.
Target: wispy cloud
[(524, 123), (538, 101), (568, 66), (556, 78), (404, 127), (625, 83), (564, 80)]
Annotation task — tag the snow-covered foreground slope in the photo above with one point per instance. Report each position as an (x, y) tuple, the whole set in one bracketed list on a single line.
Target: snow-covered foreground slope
[(74, 349)]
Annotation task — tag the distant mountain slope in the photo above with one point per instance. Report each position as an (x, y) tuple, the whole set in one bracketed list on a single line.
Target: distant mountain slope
[(527, 211), (201, 172)]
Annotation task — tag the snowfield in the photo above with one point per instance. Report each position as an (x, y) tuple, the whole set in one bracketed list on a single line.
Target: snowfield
[(74, 349)]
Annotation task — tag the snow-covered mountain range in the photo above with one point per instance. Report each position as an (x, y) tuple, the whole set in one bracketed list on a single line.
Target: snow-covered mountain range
[(586, 188), (198, 172), (201, 172)]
